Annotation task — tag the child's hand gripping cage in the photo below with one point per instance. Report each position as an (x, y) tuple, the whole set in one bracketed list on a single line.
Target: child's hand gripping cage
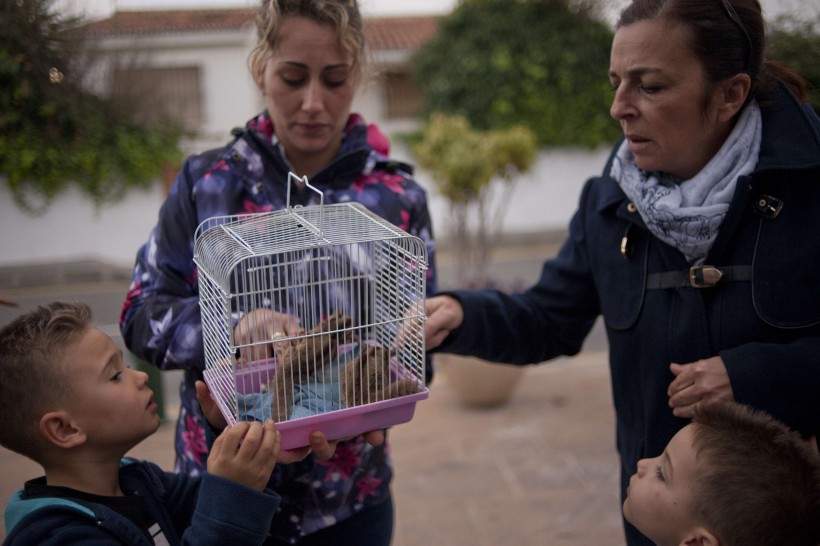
[(314, 317)]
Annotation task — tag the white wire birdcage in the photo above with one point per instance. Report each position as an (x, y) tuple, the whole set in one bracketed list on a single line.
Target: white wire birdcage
[(355, 285)]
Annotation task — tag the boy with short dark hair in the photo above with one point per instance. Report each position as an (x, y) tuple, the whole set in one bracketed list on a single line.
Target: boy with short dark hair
[(71, 404), (734, 476)]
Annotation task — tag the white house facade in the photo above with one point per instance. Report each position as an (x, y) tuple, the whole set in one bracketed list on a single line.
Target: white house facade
[(195, 61)]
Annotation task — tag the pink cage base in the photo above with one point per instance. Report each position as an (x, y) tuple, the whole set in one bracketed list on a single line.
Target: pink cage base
[(336, 424)]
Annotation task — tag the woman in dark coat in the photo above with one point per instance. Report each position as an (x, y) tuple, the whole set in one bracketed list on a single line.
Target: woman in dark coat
[(699, 244)]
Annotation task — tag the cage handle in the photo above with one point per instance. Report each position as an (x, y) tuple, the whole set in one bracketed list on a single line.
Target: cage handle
[(293, 178)]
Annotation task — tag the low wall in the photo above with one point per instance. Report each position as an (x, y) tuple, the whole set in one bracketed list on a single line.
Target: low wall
[(72, 229)]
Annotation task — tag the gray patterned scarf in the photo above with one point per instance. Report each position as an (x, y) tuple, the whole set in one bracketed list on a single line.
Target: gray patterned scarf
[(687, 214)]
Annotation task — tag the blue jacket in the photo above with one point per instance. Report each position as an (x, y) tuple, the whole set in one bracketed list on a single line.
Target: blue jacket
[(767, 330), (161, 323), (196, 511)]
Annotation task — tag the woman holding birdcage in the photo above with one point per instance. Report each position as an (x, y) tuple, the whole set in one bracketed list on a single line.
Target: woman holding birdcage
[(308, 62)]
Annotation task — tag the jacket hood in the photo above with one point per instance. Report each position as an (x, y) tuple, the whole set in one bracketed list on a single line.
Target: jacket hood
[(350, 160), (364, 148), (791, 132), (18, 508)]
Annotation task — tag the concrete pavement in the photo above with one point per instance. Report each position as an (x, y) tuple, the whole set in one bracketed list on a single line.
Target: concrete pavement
[(539, 471)]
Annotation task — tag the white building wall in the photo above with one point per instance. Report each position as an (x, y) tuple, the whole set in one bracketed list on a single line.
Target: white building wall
[(232, 96), (370, 102), (72, 229)]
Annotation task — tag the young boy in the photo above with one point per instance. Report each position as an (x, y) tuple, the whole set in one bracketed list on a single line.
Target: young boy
[(732, 477), (71, 404)]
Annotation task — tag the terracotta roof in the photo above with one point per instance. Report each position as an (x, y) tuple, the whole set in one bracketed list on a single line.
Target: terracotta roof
[(380, 32), (131, 23), (399, 32)]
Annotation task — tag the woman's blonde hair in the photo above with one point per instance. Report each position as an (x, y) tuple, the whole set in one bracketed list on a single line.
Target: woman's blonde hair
[(343, 15)]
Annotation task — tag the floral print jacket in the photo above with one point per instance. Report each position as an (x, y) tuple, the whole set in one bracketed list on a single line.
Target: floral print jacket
[(160, 319)]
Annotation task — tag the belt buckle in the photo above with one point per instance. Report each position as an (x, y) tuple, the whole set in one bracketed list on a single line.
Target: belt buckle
[(704, 276)]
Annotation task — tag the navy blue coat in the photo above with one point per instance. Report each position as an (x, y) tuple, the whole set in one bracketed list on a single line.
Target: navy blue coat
[(198, 511), (767, 330)]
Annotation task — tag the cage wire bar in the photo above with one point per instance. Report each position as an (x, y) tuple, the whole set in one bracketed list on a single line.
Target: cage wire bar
[(356, 285)]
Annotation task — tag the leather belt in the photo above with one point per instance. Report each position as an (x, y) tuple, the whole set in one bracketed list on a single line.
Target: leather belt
[(698, 276)]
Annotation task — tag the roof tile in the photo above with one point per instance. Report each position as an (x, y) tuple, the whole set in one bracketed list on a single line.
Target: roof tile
[(380, 32)]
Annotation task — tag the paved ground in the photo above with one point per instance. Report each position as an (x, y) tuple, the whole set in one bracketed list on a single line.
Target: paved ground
[(539, 470)]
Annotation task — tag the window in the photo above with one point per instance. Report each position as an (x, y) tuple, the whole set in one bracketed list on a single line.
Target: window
[(403, 95), (173, 93)]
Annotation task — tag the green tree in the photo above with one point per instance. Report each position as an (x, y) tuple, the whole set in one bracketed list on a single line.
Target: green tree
[(796, 44), (54, 132), (542, 63), (474, 171)]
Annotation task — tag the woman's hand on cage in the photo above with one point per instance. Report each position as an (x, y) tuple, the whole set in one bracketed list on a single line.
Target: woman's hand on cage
[(375, 437), (209, 408), (319, 446), (444, 314), (246, 453), (324, 449), (265, 333), (409, 329)]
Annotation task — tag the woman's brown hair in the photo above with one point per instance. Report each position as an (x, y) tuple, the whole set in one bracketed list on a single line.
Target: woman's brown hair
[(727, 36)]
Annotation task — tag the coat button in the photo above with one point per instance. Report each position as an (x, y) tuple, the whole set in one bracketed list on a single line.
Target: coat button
[(768, 206), (631, 207)]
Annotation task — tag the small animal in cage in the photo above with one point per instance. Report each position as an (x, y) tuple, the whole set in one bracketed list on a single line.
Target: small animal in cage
[(351, 287), (357, 374)]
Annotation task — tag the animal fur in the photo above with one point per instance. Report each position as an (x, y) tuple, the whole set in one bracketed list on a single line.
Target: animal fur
[(365, 379)]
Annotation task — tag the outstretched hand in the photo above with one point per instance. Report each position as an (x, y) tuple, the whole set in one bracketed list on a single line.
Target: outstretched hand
[(444, 314)]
